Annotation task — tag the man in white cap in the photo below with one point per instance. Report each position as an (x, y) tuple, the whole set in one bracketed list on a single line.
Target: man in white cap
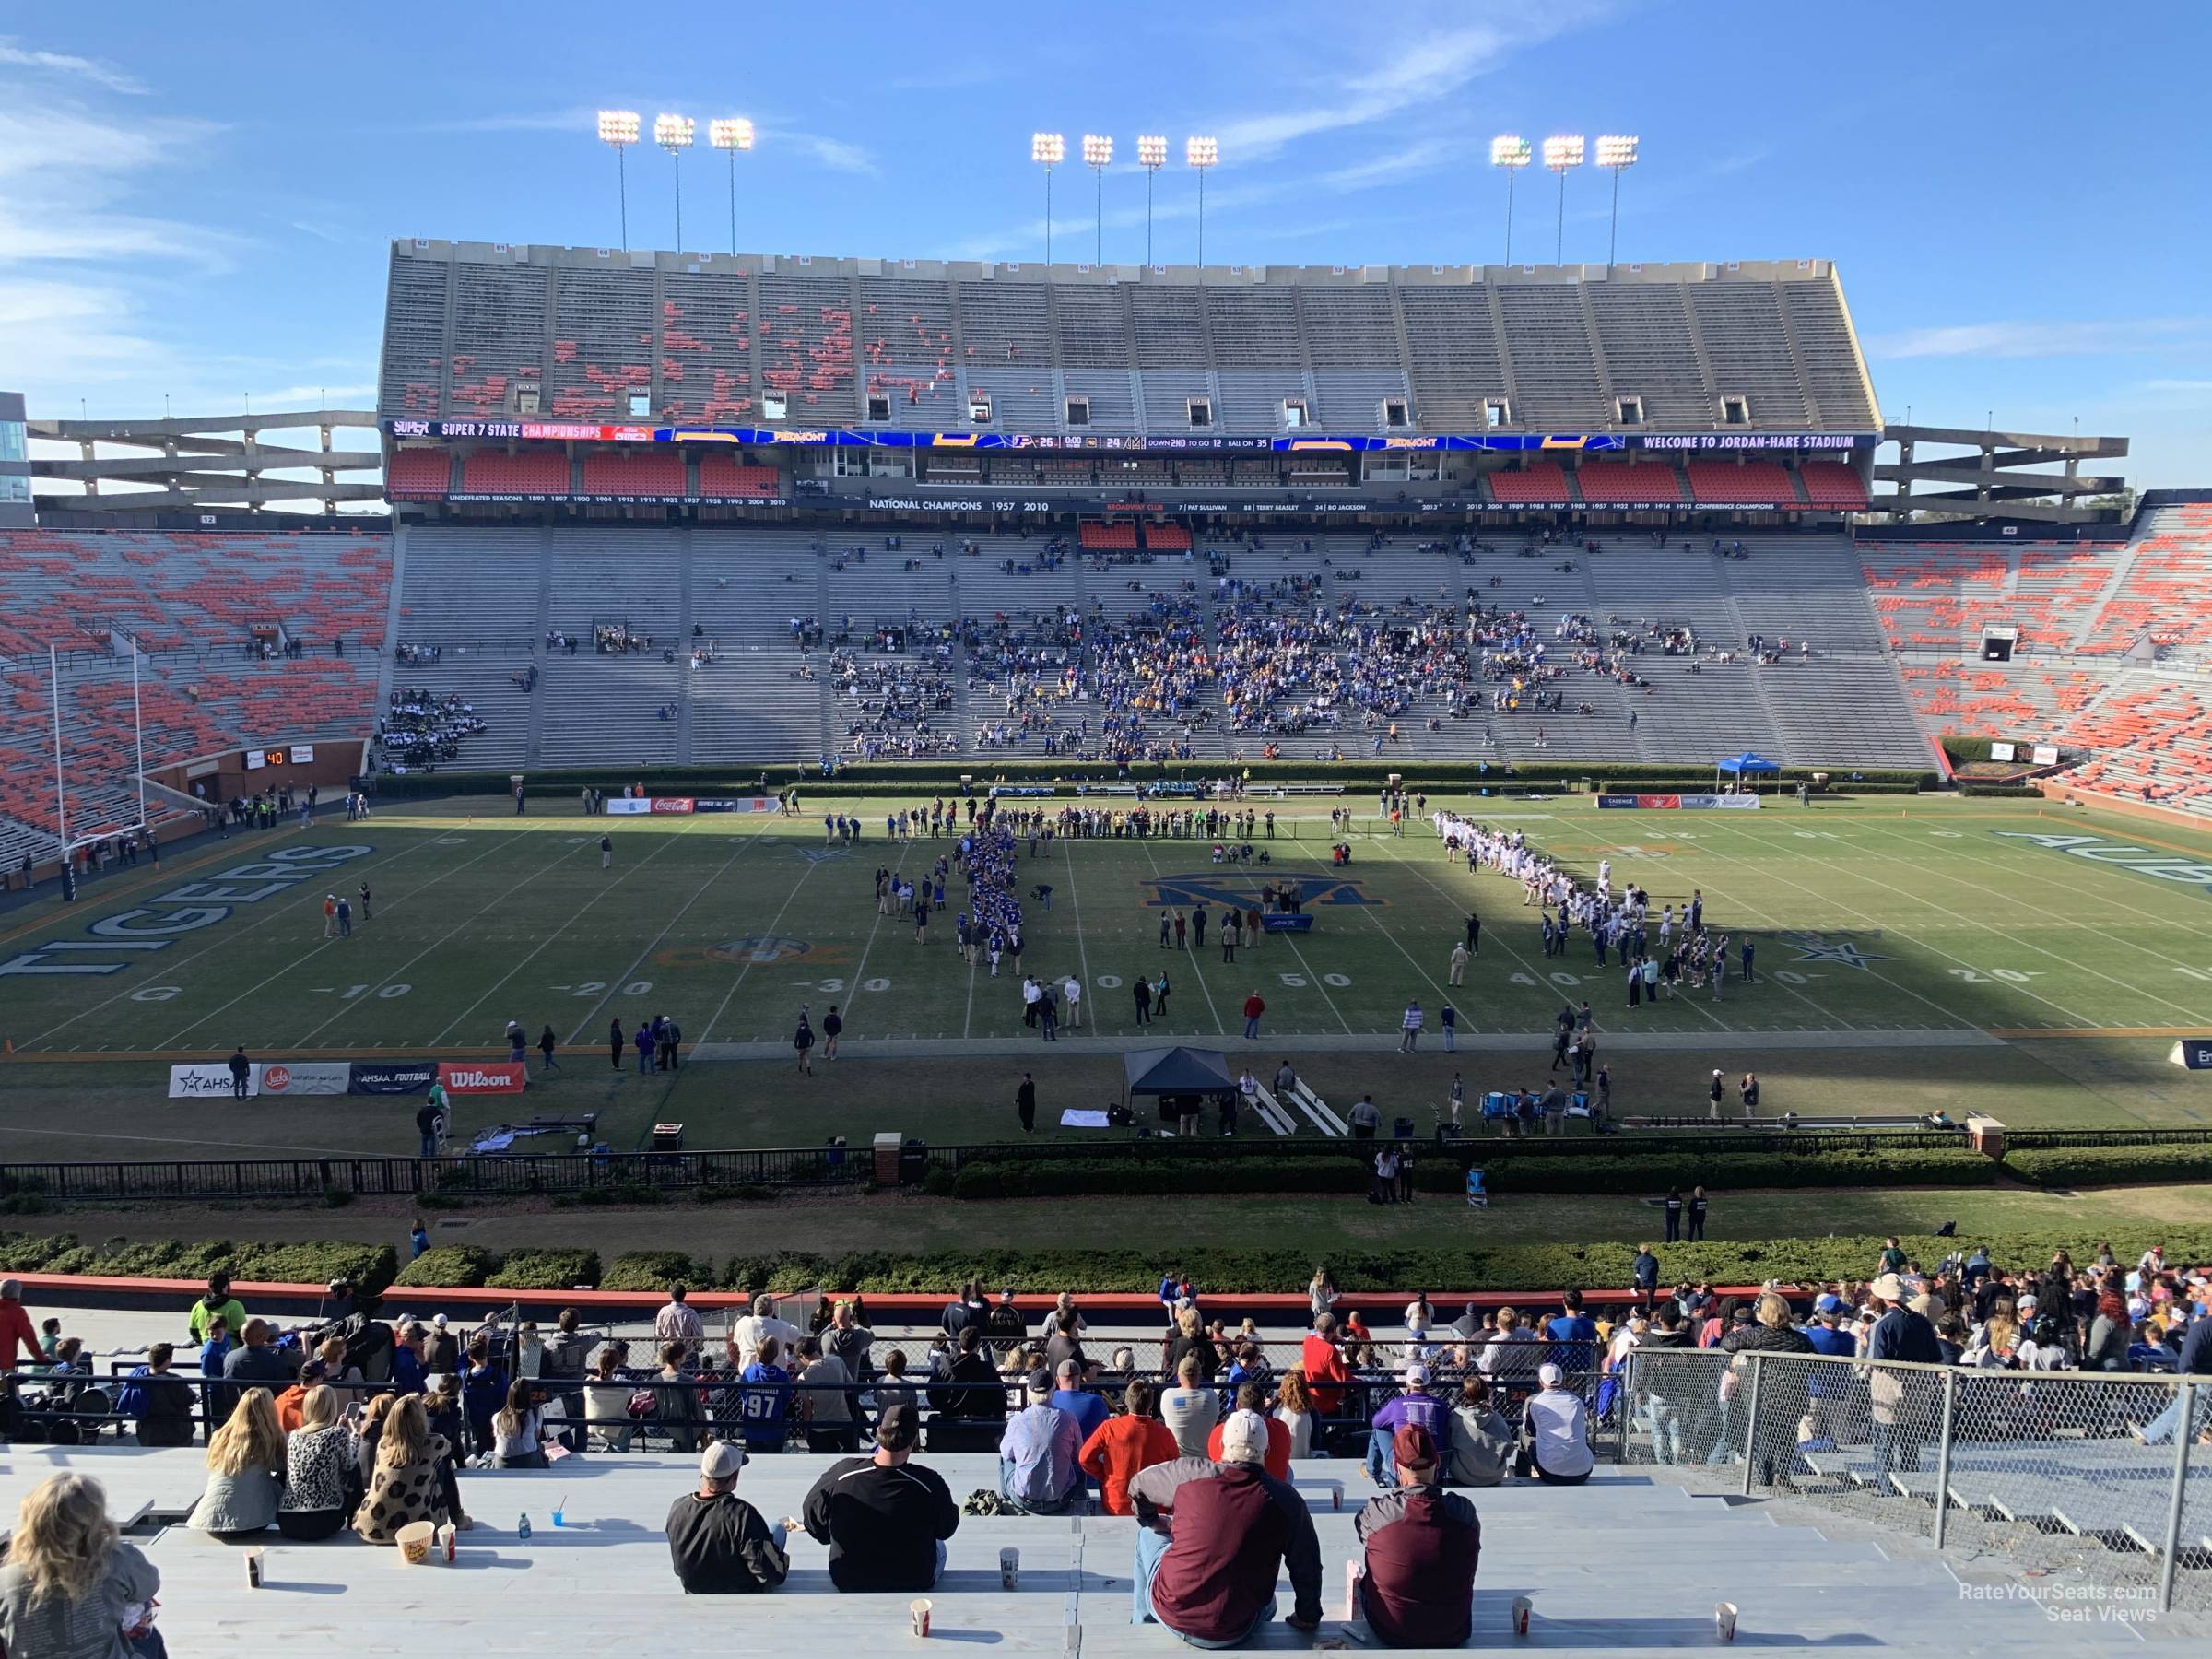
[(1208, 1571), (1412, 1407), (717, 1541), (1555, 1432), (1713, 1090), (1902, 1404)]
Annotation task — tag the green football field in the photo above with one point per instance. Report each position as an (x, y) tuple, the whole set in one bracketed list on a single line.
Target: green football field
[(2075, 940)]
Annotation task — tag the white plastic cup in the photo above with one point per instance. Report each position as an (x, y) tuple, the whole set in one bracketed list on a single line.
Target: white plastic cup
[(1523, 1608), (1724, 1620), (917, 1611), (1010, 1569)]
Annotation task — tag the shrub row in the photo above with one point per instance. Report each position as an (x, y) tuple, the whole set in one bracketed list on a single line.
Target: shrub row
[(1627, 1174), (371, 1266), (2002, 791), (1539, 1269), (2110, 1166)]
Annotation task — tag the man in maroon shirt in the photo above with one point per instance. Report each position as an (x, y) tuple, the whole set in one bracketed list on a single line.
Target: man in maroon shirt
[(1417, 1584), (1211, 1578)]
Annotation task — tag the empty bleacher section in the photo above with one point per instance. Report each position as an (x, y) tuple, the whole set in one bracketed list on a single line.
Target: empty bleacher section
[(1536, 483), (523, 472), (639, 473), (2151, 740), (478, 330), (1831, 485), (1741, 484), (418, 474)]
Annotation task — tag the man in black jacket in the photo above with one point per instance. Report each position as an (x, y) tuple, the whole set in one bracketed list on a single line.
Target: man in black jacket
[(162, 1402), (885, 1518), (718, 1542)]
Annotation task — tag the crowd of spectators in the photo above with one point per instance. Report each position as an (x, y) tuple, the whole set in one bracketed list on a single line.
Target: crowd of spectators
[(420, 729)]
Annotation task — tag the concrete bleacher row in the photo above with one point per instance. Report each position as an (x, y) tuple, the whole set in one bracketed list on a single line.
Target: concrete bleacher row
[(1632, 1559)]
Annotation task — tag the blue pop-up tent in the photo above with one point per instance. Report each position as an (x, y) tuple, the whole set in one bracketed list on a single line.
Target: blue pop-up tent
[(1749, 764)]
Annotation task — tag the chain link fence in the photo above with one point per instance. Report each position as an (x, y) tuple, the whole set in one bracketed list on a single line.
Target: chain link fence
[(2098, 1476)]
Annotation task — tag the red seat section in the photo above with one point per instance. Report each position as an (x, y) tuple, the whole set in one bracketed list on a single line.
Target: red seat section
[(1832, 485), (651, 473), (1538, 483), (418, 474), (1110, 538), (1606, 483), (1742, 483), (527, 472), (723, 477), (1172, 538)]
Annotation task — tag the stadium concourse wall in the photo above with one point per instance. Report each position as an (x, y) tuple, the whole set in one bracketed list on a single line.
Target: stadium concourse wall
[(1300, 780)]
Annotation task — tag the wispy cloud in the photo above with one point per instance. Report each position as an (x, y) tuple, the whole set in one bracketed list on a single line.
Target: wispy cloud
[(14, 54), (579, 120), (2022, 338), (839, 155), (63, 174), (1389, 168), (1430, 67)]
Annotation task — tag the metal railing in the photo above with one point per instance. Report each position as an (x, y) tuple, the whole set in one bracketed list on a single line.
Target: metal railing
[(2085, 1475)]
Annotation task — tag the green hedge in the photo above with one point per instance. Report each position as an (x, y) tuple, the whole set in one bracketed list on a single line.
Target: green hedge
[(2110, 1166), (655, 1270), (545, 1270), (371, 1266), (454, 1266), (1263, 1172), (1540, 1269)]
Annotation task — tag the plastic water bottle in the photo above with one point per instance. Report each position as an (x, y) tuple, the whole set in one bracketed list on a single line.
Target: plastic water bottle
[(522, 1528)]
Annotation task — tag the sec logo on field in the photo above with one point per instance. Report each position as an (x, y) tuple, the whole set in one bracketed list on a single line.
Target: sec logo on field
[(761, 949)]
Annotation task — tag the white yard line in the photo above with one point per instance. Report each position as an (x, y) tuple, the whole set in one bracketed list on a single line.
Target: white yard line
[(614, 985), (226, 938), (1543, 977), (1075, 907), (738, 983), (859, 974), (1197, 972), (317, 949), (393, 977), (629, 869), (1705, 846), (2091, 927)]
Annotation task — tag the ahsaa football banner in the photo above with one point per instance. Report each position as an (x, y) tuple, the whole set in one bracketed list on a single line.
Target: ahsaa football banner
[(203, 1082), (274, 1079), (390, 1077), (484, 1076)]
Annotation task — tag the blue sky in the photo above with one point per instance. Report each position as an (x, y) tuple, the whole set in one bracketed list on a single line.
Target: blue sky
[(2016, 195)]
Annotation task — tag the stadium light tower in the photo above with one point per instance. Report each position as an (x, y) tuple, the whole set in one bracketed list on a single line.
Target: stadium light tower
[(673, 133), (1097, 154), (1512, 154), (1151, 155), (1051, 149), (618, 129), (1560, 154), (1616, 154), (1201, 155), (730, 136)]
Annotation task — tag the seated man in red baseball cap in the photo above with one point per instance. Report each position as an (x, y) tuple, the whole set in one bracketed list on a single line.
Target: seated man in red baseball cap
[(1416, 1585)]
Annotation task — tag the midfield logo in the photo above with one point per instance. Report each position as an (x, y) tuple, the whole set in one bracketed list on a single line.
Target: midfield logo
[(1241, 889), (1831, 947)]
